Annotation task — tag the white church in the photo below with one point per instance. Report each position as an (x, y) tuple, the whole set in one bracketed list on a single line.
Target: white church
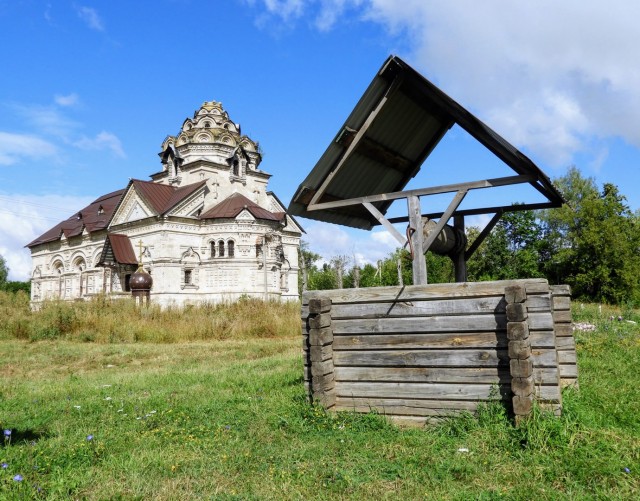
[(205, 227)]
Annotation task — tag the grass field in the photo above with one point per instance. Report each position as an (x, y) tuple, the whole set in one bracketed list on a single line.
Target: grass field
[(91, 416)]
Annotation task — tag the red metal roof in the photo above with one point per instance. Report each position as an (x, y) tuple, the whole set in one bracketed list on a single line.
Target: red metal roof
[(93, 217), (234, 205), (162, 197), (122, 249)]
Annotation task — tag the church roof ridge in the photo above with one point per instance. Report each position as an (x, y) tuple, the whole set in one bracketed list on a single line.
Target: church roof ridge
[(234, 204), (163, 197)]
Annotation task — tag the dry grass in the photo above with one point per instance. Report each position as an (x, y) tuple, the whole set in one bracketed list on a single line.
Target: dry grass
[(105, 321)]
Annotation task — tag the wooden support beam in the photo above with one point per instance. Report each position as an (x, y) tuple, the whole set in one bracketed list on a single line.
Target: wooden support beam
[(483, 234), (376, 151), (383, 221), (459, 262), (455, 203), (449, 188), (479, 211), (419, 265)]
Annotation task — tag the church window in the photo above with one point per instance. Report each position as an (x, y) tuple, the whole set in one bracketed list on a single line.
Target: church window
[(231, 248), (258, 250), (188, 277), (127, 282), (100, 210), (221, 248), (213, 249), (207, 125), (236, 167)]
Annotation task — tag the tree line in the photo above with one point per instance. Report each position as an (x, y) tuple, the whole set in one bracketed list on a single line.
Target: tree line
[(591, 243)]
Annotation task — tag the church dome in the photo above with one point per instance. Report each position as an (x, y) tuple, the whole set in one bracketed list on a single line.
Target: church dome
[(140, 281)]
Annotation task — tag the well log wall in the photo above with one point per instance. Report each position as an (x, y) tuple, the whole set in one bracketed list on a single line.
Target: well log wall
[(417, 353)]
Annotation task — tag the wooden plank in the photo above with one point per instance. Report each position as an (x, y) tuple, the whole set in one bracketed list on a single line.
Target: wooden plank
[(487, 375), (449, 188), (566, 343), (562, 316), (431, 291), (433, 391), (423, 358), (561, 303), (542, 339), (458, 306), (564, 330), (404, 407), (540, 321), (544, 358), (538, 302), (468, 323), (418, 265), (568, 371), (418, 341), (567, 357), (490, 339), (320, 353), (547, 393), (560, 290)]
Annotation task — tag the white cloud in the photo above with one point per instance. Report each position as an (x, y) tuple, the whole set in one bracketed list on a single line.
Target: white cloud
[(46, 119), (68, 100), (102, 141), (330, 240), (91, 18), (25, 217), (16, 147), (558, 78)]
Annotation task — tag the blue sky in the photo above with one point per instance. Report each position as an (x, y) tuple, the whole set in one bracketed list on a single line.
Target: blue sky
[(89, 90)]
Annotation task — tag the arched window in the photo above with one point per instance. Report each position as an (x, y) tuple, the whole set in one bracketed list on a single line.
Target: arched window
[(213, 249), (58, 269), (221, 248), (231, 248)]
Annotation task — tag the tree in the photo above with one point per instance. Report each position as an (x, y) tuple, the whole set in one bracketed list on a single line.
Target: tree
[(4, 272), (510, 251), (593, 242), (307, 260)]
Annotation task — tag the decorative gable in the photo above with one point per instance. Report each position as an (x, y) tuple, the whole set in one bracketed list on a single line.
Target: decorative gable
[(245, 215), (131, 209)]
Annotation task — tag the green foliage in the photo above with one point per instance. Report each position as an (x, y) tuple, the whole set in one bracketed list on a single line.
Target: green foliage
[(14, 286), (112, 321), (230, 419), (510, 251), (4, 272), (593, 242)]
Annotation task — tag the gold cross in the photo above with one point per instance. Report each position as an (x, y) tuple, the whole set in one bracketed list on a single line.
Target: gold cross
[(140, 246)]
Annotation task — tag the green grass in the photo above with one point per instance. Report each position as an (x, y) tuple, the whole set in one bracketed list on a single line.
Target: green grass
[(228, 419)]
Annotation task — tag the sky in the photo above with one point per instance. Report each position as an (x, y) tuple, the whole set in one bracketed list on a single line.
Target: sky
[(90, 89)]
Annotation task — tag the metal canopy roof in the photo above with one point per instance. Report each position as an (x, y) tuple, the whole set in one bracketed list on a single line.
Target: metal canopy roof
[(392, 130)]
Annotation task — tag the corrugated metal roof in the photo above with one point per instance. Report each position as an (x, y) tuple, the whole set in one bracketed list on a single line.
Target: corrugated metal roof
[(401, 117), (93, 217), (233, 205), (162, 197), (117, 249)]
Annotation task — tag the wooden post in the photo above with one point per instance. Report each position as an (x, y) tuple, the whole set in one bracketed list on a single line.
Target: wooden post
[(565, 342), (321, 386), (459, 263), (415, 223), (520, 360)]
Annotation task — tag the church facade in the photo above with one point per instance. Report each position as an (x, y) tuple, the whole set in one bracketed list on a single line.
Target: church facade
[(205, 227)]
